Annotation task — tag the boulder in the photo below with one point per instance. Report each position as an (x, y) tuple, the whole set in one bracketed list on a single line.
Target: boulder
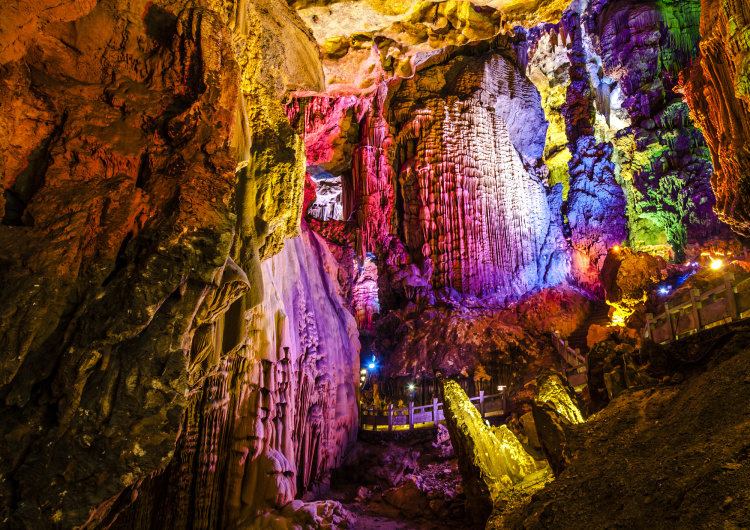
[(553, 429), (408, 498)]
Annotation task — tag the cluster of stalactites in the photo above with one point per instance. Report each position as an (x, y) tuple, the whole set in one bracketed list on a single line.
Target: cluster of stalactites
[(372, 174), (463, 188)]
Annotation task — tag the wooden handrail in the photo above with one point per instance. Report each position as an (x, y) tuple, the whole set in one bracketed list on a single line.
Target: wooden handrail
[(434, 411), (694, 307)]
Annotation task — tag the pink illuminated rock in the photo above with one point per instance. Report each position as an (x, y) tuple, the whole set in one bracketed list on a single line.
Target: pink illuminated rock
[(469, 131)]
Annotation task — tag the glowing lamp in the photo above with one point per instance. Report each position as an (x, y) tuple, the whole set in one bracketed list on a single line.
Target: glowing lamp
[(411, 388), (617, 249), (716, 264), (371, 366), (501, 388), (363, 371), (663, 291)]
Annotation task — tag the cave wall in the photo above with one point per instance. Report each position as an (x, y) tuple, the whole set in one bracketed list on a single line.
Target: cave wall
[(149, 174), (717, 89), (470, 135), (610, 71), (116, 229), (274, 416)]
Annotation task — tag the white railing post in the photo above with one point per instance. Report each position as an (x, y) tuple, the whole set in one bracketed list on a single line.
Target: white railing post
[(481, 402), (731, 299), (435, 418), (411, 415), (390, 416)]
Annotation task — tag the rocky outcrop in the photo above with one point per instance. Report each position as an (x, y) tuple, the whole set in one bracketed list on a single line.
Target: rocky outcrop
[(717, 90), (628, 277), (490, 462), (650, 459), (556, 407)]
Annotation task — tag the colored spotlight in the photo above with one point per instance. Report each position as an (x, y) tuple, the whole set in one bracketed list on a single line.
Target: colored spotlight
[(716, 264), (371, 366)]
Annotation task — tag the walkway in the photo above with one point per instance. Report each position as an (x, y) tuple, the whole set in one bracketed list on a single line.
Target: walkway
[(573, 350), (411, 418), (726, 303), (599, 316)]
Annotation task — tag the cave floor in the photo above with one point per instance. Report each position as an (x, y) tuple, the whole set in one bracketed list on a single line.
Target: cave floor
[(367, 517)]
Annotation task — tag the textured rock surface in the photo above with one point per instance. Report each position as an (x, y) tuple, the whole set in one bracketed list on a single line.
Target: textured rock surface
[(117, 225), (672, 456), (462, 334), (718, 92), (628, 277), (367, 41), (490, 462), (275, 415), (595, 209), (664, 160), (126, 326), (609, 70), (467, 131)]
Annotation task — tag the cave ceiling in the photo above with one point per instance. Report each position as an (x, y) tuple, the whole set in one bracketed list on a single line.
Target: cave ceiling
[(363, 40)]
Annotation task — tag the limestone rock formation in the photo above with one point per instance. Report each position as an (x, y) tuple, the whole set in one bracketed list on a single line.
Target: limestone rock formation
[(718, 93), (665, 165), (115, 235), (276, 414), (489, 462), (555, 409), (595, 209), (365, 42), (127, 276), (628, 277), (469, 133)]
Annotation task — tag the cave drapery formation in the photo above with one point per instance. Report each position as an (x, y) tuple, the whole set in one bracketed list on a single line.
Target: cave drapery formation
[(210, 207)]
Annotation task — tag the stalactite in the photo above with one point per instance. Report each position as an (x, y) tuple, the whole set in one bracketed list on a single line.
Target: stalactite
[(465, 183)]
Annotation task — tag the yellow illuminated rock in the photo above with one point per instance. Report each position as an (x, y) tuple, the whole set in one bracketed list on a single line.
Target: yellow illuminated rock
[(552, 389), (491, 461)]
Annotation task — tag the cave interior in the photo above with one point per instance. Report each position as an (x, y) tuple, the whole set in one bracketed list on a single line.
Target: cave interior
[(366, 264)]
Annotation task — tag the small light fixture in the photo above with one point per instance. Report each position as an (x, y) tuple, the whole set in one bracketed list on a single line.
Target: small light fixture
[(363, 371), (617, 248), (411, 387), (716, 264), (371, 366), (501, 388), (664, 291)]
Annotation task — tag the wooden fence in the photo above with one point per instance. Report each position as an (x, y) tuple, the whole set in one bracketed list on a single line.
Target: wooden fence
[(426, 415), (577, 370), (714, 307)]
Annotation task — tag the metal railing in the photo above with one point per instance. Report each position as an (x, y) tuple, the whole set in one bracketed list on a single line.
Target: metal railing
[(426, 415), (717, 306)]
